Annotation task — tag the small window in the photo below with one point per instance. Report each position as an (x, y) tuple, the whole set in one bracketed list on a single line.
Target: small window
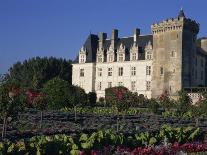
[(120, 84), (201, 62), (161, 71), (201, 75), (111, 58), (109, 71), (133, 71), (173, 54), (148, 85), (148, 70), (99, 71), (109, 84), (100, 58), (82, 58), (81, 72), (133, 85), (120, 71), (121, 57), (99, 86), (134, 56)]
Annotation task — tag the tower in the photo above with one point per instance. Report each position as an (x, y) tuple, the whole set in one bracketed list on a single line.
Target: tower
[(174, 47)]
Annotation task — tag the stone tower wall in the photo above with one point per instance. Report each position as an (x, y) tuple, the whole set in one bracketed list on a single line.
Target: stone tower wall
[(167, 56)]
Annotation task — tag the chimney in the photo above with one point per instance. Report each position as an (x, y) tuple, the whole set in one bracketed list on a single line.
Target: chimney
[(114, 38), (136, 34), (204, 44), (102, 38)]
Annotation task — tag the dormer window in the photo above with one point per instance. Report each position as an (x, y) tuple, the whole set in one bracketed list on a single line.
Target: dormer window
[(121, 53), (82, 58), (100, 55), (110, 54), (82, 55), (148, 51), (121, 57), (134, 52), (134, 56)]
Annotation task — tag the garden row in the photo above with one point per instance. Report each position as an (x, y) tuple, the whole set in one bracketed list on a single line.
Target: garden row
[(109, 142)]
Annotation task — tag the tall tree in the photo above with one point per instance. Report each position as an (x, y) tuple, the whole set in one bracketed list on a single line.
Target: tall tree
[(35, 72)]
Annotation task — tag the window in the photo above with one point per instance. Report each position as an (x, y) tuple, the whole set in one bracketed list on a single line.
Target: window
[(81, 72), (109, 84), (134, 56), (121, 57), (196, 61), (109, 71), (148, 85), (120, 71), (133, 71), (81, 84), (172, 53), (99, 71), (161, 71), (100, 58), (82, 58), (120, 84), (148, 70), (201, 62), (196, 75), (201, 75), (133, 85), (99, 85), (149, 56), (110, 58)]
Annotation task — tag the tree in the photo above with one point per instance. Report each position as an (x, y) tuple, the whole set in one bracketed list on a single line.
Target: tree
[(35, 72), (184, 102), (57, 93), (37, 100), (77, 97), (120, 98), (92, 97), (165, 101), (153, 105), (10, 103)]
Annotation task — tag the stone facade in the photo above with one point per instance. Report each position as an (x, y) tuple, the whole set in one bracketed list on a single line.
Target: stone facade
[(170, 59)]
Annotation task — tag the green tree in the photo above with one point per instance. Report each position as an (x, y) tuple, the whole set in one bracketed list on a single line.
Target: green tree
[(57, 92), (92, 97), (184, 103), (77, 97), (165, 101), (35, 72), (153, 105), (10, 103)]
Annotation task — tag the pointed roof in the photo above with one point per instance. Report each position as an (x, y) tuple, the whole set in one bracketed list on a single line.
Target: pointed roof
[(181, 13)]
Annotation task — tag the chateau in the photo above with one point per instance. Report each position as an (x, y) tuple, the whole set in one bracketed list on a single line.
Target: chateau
[(169, 59)]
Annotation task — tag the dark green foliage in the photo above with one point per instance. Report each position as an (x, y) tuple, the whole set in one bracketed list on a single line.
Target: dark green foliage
[(77, 96), (166, 102), (92, 97), (184, 102), (35, 72), (57, 92), (153, 105)]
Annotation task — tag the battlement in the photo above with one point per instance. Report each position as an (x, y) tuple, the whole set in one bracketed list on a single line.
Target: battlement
[(167, 25), (179, 23)]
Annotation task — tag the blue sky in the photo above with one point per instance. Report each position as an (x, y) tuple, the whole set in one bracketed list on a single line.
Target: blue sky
[(30, 28)]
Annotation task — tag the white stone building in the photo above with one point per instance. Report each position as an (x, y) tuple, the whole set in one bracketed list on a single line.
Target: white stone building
[(169, 59)]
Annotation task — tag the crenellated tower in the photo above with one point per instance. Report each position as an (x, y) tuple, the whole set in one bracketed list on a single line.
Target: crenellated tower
[(174, 49)]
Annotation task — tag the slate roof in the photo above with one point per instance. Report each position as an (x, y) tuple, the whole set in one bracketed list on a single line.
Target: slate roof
[(91, 45)]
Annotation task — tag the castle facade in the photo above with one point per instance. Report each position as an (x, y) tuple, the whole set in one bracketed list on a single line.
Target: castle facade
[(169, 59)]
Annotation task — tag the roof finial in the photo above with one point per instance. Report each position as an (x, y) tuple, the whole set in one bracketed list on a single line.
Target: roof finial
[(181, 13)]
